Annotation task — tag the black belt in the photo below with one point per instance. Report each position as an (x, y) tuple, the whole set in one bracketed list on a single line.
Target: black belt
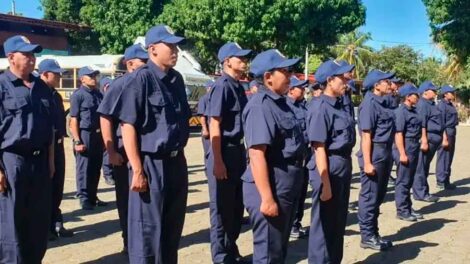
[(26, 153), (295, 161), (171, 154)]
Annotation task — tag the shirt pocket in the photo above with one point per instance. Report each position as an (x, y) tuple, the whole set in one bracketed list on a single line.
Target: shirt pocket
[(341, 133), (156, 111)]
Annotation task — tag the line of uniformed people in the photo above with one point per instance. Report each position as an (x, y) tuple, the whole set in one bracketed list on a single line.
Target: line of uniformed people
[(142, 122)]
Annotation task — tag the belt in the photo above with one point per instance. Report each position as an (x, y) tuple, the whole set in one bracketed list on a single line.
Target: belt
[(294, 161), (233, 143), (60, 140), (174, 153), (31, 153), (337, 152), (98, 130)]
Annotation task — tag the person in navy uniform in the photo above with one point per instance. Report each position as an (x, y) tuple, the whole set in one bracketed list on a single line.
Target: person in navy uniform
[(27, 158), (445, 152), (50, 73), (393, 102), (107, 167), (273, 180), (296, 101), (227, 155), (135, 57), (154, 115), (406, 151), (201, 112), (330, 130), (375, 156), (253, 89), (87, 141), (431, 139)]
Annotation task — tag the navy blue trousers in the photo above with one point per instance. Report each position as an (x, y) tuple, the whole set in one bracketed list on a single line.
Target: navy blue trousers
[(271, 234), (107, 167), (156, 217), (25, 208), (328, 219), (120, 175), (226, 203), (373, 189), (420, 182), (299, 213), (88, 166), (444, 162), (58, 183), (405, 175)]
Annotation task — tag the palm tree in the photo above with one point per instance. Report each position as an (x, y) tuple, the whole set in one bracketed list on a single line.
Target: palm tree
[(351, 47)]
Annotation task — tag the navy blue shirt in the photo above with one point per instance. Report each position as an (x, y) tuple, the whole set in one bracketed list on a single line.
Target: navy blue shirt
[(109, 106), (348, 105), (227, 100), (431, 118), (268, 120), (300, 112), (329, 123), (155, 103), (408, 122), (202, 105), (393, 101), (84, 104), (376, 117), (26, 114), (59, 115), (450, 117)]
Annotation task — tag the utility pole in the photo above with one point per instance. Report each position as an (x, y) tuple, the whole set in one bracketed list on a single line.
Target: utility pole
[(306, 63), (13, 7)]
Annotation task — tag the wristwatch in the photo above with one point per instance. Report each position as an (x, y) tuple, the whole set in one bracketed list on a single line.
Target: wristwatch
[(77, 142)]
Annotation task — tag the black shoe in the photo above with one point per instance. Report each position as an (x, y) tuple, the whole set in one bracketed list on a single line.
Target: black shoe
[(440, 186), (386, 242), (110, 181), (100, 203), (353, 206), (52, 236), (298, 232), (416, 214), (86, 205), (241, 260), (373, 243), (392, 181), (62, 232), (429, 198), (406, 217)]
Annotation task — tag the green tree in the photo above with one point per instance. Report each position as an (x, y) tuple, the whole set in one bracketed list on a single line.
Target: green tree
[(450, 21), (401, 59), (430, 69), (289, 25), (351, 47), (314, 61)]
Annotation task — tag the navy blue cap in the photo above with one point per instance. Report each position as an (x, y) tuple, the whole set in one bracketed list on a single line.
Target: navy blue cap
[(332, 68), (209, 84), (50, 65), (136, 51), (408, 89), (296, 82), (232, 49), (376, 76), (396, 80), (20, 43), (427, 85), (105, 81), (161, 33), (352, 85), (447, 89), (87, 70), (345, 63), (269, 60)]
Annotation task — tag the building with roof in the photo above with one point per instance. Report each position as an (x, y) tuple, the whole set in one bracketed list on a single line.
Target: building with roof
[(51, 35)]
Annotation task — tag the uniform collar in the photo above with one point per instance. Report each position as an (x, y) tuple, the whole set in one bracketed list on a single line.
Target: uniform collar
[(13, 77), (380, 99), (333, 101), (431, 102), (86, 88), (270, 93), (229, 78), (447, 101), (158, 71), (293, 101)]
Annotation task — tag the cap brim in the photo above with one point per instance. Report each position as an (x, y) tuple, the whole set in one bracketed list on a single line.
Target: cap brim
[(59, 71), (243, 53), (30, 48), (174, 40), (287, 63), (299, 83), (344, 69)]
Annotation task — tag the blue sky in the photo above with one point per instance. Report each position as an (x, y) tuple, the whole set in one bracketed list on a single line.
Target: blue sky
[(391, 22)]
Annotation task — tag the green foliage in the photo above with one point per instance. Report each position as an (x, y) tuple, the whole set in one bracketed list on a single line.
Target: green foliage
[(314, 61), (289, 25), (351, 47), (450, 21), (402, 60)]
